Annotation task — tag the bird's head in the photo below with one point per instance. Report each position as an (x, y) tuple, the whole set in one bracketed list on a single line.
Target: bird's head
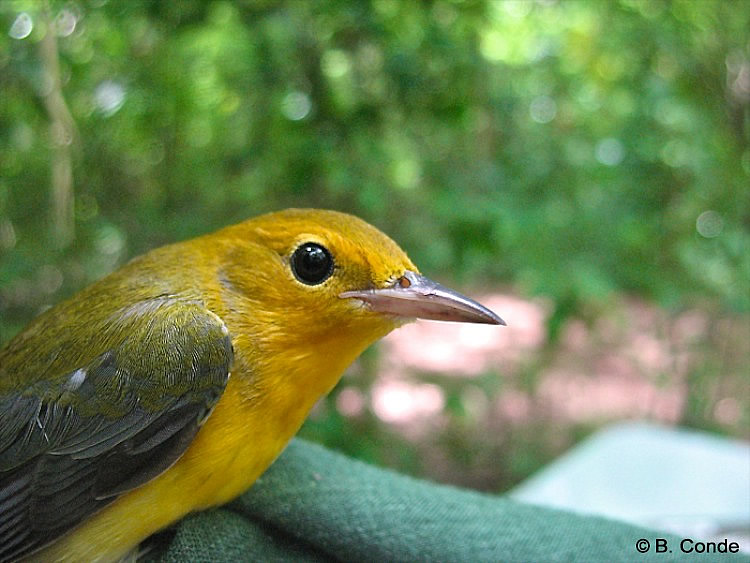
[(331, 284)]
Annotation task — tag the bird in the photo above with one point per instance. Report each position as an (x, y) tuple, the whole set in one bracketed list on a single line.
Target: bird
[(170, 385)]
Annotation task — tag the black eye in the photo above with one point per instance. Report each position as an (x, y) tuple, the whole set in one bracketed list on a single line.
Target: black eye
[(312, 264)]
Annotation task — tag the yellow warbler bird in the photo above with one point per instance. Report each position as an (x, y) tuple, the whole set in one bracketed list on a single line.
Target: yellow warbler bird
[(172, 384)]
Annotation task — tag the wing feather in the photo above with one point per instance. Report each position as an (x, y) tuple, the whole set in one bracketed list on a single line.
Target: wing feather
[(71, 443)]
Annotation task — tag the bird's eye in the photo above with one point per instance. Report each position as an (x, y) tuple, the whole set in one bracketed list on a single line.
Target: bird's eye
[(312, 264)]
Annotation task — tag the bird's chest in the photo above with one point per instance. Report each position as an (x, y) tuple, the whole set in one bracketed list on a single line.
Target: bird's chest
[(236, 444)]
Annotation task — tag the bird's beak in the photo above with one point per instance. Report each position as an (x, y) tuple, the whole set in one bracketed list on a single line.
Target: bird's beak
[(415, 296)]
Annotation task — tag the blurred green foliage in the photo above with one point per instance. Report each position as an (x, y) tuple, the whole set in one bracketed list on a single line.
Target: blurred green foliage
[(576, 150)]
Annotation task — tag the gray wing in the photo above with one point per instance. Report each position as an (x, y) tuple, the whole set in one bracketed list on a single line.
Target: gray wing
[(70, 443)]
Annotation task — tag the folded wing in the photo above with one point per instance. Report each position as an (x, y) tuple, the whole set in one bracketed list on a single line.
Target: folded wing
[(73, 440)]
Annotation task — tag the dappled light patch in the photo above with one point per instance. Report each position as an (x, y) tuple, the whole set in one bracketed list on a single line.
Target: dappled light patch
[(469, 349), (633, 362)]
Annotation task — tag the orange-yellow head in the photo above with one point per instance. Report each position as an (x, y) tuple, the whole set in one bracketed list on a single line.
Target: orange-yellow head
[(325, 285)]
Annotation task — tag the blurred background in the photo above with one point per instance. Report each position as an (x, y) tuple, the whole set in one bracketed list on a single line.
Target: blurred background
[(583, 168)]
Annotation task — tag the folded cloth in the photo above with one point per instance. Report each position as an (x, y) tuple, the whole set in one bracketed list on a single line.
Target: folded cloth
[(317, 505)]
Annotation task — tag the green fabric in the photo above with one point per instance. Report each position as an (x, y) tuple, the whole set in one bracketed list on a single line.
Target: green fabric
[(316, 505)]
